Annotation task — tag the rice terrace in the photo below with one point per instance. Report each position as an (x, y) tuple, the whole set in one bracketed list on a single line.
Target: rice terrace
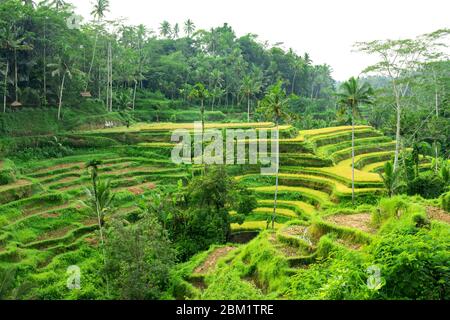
[(352, 202)]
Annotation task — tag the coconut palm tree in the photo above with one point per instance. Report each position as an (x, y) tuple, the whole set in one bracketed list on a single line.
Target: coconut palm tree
[(249, 87), (5, 85), (176, 31), (58, 4), (298, 65), (63, 70), (98, 12), (273, 107), (165, 29), (352, 94), (201, 93), (189, 27)]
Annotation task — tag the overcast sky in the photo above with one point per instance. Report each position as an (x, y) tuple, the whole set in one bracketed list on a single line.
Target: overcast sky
[(326, 29)]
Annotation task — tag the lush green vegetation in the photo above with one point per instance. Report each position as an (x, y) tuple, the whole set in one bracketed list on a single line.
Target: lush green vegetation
[(358, 208)]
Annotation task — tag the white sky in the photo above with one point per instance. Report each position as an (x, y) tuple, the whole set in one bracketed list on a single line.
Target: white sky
[(326, 29)]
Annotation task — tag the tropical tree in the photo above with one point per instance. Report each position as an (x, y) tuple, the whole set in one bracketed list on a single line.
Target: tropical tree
[(176, 31), (273, 107), (250, 86), (58, 4), (5, 85), (399, 61), (100, 9), (391, 179), (100, 196), (98, 12), (297, 64), (216, 94), (201, 93), (189, 27), (352, 94), (62, 69), (165, 29), (100, 201), (13, 40)]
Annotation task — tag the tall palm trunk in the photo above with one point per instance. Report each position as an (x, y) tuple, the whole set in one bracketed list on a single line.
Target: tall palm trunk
[(92, 62), (5, 89), (436, 104), (397, 137), (16, 75), (134, 93), (45, 65), (61, 95), (293, 82), (202, 110), (248, 108), (111, 78), (203, 131), (353, 157), (275, 202)]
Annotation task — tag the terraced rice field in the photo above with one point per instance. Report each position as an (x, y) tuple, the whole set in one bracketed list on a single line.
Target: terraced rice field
[(42, 217)]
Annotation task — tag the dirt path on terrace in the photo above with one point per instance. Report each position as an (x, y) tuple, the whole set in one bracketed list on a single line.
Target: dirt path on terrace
[(294, 230), (61, 181), (80, 165), (32, 209), (211, 261), (58, 233), (359, 221), (138, 190), (16, 184), (287, 250), (438, 214)]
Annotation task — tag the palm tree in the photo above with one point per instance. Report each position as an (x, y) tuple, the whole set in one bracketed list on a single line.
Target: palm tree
[(58, 4), (176, 30), (100, 197), (351, 95), (62, 70), (165, 29), (5, 85), (13, 41), (98, 12), (390, 179), (273, 106), (189, 27), (250, 87), (201, 93), (298, 64), (216, 94), (100, 9), (216, 82)]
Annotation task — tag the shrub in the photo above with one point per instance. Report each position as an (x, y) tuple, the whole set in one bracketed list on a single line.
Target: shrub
[(7, 172), (138, 259), (427, 185), (415, 266), (445, 201)]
